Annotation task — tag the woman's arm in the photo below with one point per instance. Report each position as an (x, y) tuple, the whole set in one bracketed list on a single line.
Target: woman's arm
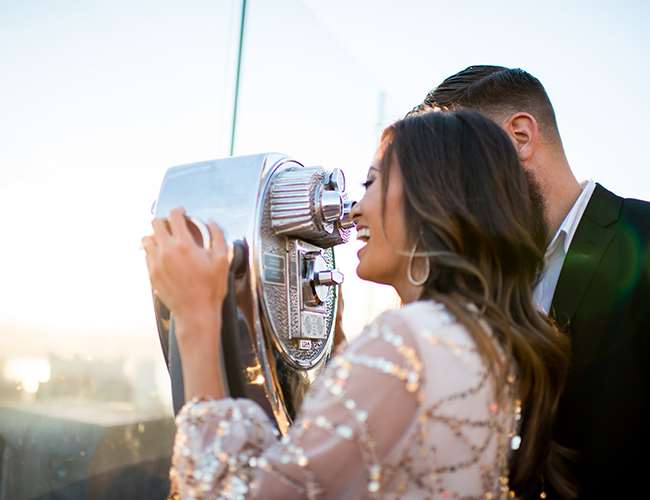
[(356, 413), (192, 282), (345, 430), (199, 343)]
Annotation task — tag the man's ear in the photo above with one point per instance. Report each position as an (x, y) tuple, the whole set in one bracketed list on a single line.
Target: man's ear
[(524, 133)]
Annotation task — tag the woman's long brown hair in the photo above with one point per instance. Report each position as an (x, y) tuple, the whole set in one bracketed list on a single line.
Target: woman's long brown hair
[(478, 217)]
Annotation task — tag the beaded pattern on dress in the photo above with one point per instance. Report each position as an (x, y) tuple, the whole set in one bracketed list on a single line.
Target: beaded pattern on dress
[(448, 448)]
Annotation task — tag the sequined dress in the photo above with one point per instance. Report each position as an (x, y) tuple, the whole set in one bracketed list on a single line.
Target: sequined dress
[(407, 410)]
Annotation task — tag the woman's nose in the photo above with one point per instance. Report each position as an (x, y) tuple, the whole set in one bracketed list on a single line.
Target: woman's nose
[(355, 212)]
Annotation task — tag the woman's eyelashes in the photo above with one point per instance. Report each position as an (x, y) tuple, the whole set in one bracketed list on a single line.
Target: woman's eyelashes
[(368, 183)]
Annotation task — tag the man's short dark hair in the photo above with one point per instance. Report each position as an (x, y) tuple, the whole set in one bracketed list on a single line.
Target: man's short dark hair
[(496, 92)]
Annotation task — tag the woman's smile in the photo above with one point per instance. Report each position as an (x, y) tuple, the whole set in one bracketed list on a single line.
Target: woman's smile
[(379, 218), (363, 234)]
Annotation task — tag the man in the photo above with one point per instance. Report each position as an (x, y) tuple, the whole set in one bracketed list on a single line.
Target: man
[(596, 284)]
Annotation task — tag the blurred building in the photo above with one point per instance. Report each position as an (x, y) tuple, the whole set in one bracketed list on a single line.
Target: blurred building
[(88, 431)]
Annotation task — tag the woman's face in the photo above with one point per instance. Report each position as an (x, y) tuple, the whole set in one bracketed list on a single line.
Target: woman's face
[(384, 257)]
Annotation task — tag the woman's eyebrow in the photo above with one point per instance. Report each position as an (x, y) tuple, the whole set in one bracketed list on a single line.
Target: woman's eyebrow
[(373, 168)]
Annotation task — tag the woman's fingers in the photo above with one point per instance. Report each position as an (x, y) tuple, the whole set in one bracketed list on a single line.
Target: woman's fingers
[(186, 277), (178, 224), (161, 231), (218, 240), (149, 244), (150, 266)]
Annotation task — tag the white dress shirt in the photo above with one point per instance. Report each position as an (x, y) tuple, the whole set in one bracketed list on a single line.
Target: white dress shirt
[(558, 247)]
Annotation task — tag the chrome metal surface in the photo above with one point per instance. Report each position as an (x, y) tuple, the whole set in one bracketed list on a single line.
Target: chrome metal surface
[(201, 232), (336, 180), (314, 294), (288, 217), (331, 205), (307, 204), (347, 222), (329, 278)]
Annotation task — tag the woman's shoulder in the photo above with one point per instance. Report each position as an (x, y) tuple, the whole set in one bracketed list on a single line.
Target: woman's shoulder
[(432, 332), (422, 310), (425, 320)]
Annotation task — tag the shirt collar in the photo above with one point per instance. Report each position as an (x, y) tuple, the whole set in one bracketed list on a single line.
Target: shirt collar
[(566, 231)]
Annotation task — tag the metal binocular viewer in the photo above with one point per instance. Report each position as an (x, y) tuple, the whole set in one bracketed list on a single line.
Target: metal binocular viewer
[(283, 220)]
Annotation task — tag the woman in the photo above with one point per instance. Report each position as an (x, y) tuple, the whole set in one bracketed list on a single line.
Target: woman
[(430, 400)]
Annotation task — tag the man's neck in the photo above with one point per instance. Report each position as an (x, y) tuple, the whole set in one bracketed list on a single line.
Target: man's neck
[(559, 195)]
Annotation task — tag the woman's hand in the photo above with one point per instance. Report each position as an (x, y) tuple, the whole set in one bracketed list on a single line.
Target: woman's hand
[(188, 278), (192, 282)]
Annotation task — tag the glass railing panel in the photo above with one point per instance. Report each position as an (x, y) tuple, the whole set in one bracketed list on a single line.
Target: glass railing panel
[(304, 94), (97, 99)]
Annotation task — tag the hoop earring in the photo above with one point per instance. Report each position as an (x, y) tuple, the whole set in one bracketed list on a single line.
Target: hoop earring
[(409, 269)]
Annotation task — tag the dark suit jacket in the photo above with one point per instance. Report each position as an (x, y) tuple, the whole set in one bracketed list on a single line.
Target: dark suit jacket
[(603, 300)]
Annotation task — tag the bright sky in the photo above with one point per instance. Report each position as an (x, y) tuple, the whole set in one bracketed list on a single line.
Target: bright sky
[(99, 98), (593, 57)]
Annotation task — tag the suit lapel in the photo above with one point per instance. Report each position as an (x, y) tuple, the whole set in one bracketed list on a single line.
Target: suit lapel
[(589, 243)]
